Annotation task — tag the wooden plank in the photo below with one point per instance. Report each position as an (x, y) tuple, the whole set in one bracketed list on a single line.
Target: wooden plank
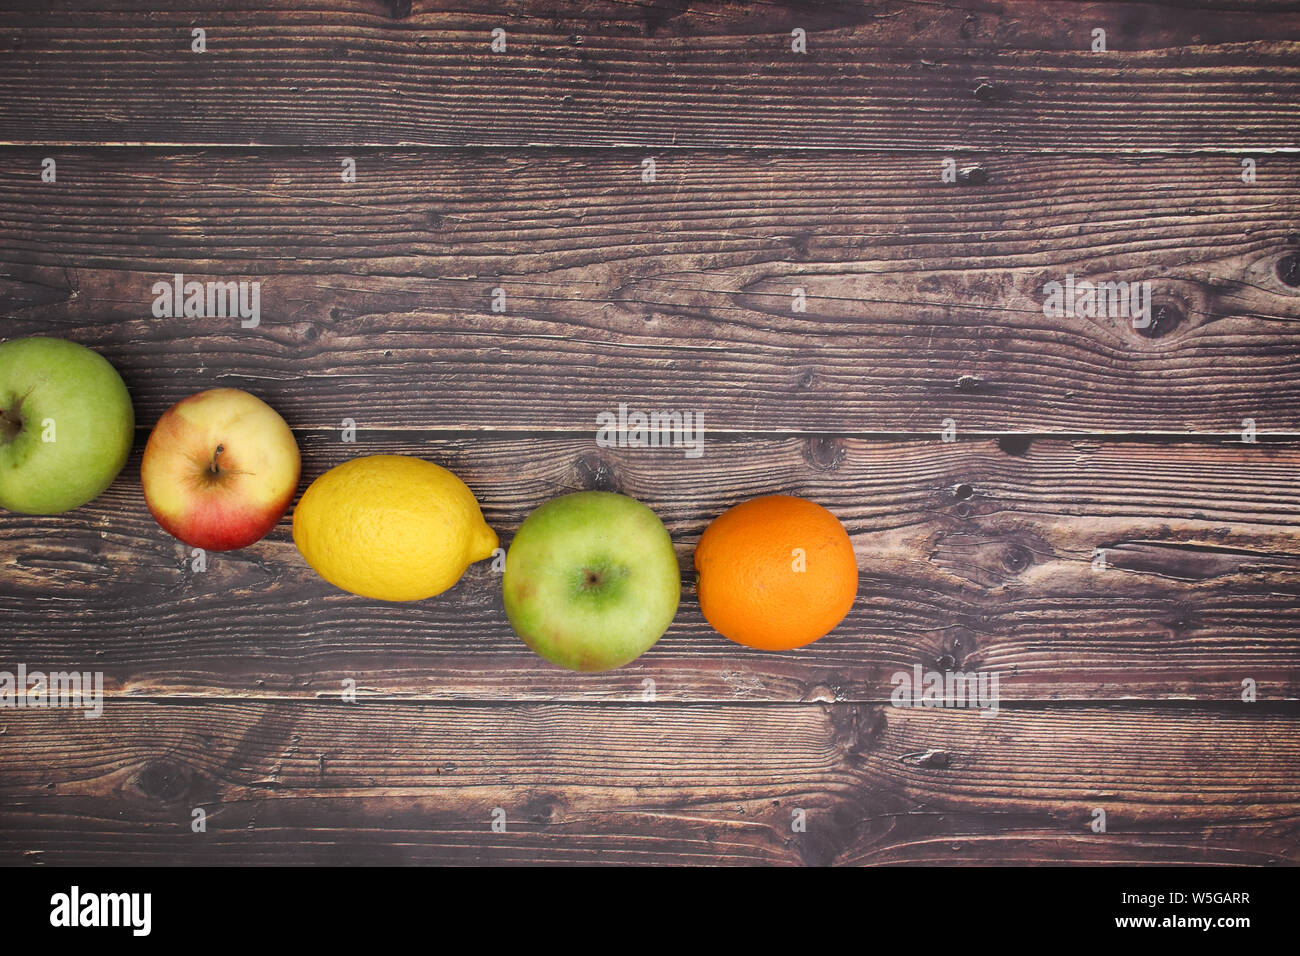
[(924, 301), (978, 73), (389, 783), (975, 556)]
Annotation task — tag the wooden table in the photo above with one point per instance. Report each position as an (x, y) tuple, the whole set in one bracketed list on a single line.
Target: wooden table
[(1100, 531)]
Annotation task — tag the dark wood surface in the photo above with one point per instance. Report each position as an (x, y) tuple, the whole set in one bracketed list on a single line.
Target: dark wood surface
[(979, 73), (692, 783), (1120, 688), (924, 300)]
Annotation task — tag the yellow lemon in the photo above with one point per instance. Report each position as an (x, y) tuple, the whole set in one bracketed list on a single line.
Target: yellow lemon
[(391, 527)]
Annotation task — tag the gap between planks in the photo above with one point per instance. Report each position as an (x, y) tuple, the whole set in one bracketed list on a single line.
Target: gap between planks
[(1151, 437), (740, 149), (1284, 706)]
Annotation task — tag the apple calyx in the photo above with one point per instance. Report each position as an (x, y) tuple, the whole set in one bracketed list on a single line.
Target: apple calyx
[(11, 423), (594, 576)]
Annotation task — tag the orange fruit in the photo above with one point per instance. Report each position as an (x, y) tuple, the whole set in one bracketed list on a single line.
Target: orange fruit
[(776, 572)]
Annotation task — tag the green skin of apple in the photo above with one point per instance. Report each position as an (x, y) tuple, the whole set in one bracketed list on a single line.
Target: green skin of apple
[(93, 425), (591, 580)]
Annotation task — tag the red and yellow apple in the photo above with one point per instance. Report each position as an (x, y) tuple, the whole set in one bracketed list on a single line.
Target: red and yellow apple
[(220, 469)]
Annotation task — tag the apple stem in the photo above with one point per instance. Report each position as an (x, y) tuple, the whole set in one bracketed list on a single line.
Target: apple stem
[(212, 465)]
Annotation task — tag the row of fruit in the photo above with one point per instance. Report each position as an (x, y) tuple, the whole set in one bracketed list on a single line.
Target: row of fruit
[(591, 579)]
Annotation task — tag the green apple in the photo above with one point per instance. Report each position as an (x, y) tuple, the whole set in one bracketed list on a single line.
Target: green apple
[(591, 580), (66, 425)]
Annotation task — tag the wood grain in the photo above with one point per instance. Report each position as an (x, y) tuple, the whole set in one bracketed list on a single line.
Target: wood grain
[(976, 73), (390, 783), (773, 171), (974, 555), (924, 300)]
